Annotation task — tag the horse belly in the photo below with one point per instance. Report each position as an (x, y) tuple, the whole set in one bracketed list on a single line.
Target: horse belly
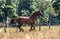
[(27, 21)]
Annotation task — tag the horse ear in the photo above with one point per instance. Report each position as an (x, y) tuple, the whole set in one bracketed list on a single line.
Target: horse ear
[(40, 12)]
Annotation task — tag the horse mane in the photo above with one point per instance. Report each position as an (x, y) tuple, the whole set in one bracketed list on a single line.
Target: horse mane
[(34, 13)]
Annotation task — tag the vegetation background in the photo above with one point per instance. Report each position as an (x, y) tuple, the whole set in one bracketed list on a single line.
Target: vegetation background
[(15, 8)]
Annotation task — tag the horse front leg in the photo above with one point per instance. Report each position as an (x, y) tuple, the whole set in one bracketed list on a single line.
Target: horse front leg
[(20, 28), (32, 28)]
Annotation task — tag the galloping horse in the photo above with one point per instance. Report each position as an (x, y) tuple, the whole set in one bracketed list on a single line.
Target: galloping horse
[(27, 20), (12, 20)]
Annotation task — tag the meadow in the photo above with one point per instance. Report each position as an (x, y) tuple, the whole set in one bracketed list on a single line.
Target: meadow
[(43, 33)]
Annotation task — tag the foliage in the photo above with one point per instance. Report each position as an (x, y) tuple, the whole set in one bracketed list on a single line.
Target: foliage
[(15, 8), (48, 11), (56, 6), (8, 9), (24, 7)]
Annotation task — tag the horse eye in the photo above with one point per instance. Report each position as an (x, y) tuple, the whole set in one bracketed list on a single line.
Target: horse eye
[(37, 14)]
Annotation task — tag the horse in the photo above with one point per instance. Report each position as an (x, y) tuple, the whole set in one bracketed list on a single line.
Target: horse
[(30, 20), (11, 21)]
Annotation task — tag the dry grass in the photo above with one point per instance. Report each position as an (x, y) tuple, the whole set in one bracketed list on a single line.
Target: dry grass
[(44, 33)]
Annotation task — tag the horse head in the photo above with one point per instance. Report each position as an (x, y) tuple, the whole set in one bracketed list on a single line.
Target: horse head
[(39, 13)]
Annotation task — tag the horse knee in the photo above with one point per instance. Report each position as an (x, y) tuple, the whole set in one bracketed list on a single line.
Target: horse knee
[(34, 27)]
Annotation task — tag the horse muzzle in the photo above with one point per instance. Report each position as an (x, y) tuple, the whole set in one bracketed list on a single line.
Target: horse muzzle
[(42, 15)]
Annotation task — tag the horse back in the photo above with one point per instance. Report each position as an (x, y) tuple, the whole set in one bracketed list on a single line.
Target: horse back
[(24, 19)]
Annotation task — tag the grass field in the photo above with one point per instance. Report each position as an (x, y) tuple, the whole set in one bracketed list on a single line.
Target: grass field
[(44, 33)]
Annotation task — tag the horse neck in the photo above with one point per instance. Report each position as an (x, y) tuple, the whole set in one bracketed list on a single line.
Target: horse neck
[(33, 17)]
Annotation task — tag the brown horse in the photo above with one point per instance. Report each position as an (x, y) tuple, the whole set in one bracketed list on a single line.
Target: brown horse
[(12, 20), (27, 20)]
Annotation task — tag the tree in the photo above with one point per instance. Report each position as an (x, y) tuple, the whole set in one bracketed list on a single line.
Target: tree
[(8, 8), (24, 7), (48, 11), (2, 2), (56, 6)]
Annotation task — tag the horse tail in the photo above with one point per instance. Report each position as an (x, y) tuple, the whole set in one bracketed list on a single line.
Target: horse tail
[(15, 22)]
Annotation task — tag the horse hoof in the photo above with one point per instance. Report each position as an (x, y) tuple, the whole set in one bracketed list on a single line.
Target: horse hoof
[(21, 30), (30, 30)]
